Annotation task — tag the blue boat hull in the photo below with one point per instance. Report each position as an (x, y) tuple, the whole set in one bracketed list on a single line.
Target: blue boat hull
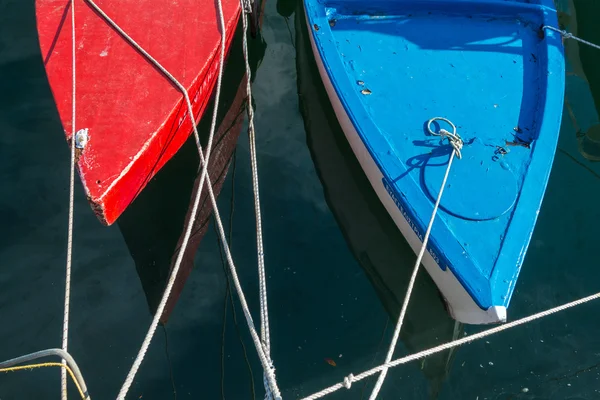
[(391, 65)]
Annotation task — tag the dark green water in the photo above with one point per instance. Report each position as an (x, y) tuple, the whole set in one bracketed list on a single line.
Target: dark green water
[(336, 267)]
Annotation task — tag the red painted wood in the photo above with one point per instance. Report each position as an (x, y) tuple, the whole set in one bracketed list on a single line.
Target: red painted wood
[(137, 119)]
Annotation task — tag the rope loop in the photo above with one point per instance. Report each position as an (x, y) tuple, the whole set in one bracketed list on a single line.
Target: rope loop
[(455, 140), (348, 381)]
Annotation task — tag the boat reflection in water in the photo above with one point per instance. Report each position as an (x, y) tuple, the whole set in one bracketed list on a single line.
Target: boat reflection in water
[(374, 239), (584, 24), (154, 225)]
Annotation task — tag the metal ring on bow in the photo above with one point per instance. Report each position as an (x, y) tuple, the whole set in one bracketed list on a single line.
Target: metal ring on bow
[(455, 140)]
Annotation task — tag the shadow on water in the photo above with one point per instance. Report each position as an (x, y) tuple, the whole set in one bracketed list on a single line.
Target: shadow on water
[(155, 222), (587, 13), (372, 236)]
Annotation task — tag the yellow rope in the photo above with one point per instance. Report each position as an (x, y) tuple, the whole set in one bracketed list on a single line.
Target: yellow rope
[(47, 364)]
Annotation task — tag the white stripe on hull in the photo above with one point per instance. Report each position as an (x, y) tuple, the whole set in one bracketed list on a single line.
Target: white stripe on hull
[(460, 304)]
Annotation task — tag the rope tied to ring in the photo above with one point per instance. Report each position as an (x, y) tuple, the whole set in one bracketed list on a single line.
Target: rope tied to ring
[(455, 140)]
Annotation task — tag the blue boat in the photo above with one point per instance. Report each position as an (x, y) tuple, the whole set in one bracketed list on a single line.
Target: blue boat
[(490, 68)]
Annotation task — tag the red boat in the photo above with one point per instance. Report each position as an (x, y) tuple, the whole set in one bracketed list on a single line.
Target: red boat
[(136, 120)]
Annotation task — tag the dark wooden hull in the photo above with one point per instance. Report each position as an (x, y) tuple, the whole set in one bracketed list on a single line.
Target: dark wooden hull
[(154, 225)]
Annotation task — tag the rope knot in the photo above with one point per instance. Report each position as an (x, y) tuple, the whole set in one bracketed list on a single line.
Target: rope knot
[(569, 35), (348, 381), (271, 393), (455, 140)]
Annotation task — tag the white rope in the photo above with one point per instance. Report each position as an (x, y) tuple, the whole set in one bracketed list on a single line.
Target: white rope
[(456, 143), (266, 363), (67, 359), (446, 346), (264, 310), (263, 348), (150, 334), (65, 337), (568, 35), (264, 325), (204, 175)]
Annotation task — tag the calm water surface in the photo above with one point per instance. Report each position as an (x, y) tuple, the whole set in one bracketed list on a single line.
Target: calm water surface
[(337, 267)]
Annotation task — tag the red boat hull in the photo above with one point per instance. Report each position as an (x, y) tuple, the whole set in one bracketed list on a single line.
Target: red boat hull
[(136, 119)]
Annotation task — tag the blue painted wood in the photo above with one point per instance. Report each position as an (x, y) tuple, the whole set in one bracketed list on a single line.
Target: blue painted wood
[(487, 66)]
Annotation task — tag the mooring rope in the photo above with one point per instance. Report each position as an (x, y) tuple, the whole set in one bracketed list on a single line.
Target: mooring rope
[(68, 364), (267, 365), (65, 336), (262, 344), (264, 309), (449, 345), (204, 176), (31, 367), (568, 35), (456, 143), (228, 292)]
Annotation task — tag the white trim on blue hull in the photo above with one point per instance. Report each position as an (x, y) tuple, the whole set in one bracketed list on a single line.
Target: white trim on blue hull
[(460, 304)]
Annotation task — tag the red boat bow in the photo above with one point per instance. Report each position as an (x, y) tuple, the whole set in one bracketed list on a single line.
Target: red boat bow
[(136, 118)]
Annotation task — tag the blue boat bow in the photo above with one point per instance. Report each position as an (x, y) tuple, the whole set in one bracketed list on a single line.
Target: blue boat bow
[(389, 66)]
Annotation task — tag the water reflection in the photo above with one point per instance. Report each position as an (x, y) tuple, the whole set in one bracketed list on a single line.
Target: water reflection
[(580, 18), (154, 224)]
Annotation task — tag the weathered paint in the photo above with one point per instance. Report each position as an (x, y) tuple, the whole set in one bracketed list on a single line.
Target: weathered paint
[(486, 66), (136, 118)]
